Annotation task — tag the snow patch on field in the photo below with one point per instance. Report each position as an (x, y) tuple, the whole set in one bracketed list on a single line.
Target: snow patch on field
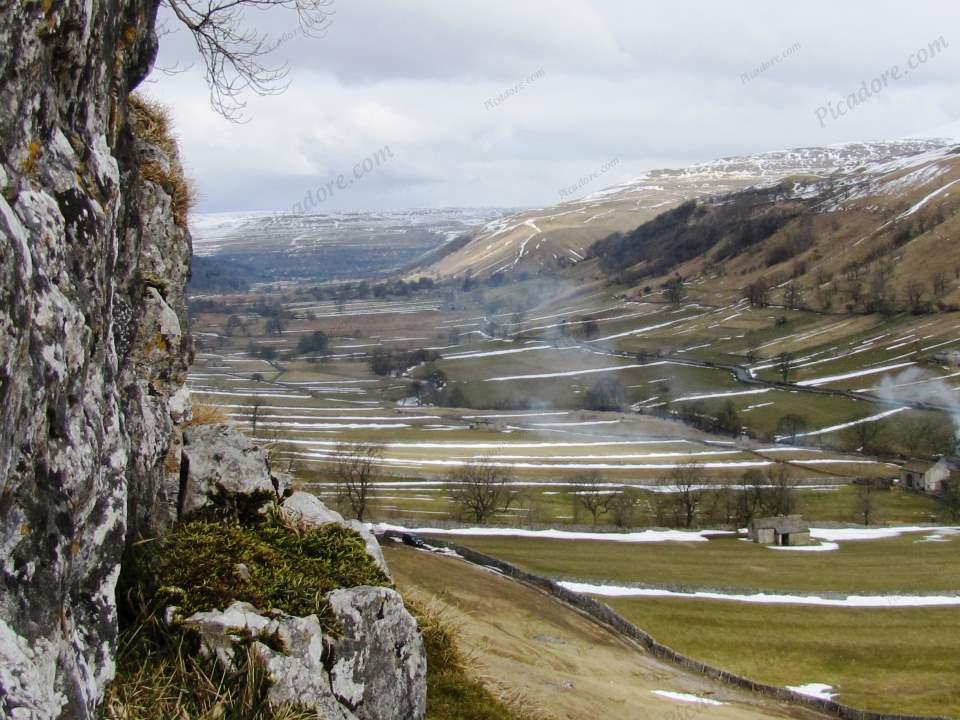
[(848, 534), (847, 376), (858, 601), (645, 536), (814, 690), (687, 698)]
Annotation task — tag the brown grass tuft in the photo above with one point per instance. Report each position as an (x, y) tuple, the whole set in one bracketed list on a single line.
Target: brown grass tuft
[(204, 414), (152, 123)]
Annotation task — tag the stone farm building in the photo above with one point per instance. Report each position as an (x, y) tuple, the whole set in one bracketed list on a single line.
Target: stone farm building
[(929, 477), (785, 531)]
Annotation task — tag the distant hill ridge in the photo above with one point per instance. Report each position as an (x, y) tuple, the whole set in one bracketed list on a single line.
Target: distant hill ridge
[(551, 239)]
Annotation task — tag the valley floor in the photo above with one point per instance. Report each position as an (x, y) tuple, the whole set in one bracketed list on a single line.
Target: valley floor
[(564, 665)]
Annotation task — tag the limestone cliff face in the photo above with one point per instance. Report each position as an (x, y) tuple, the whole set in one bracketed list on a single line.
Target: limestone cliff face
[(93, 350)]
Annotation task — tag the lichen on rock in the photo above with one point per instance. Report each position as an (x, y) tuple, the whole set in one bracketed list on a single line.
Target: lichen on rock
[(83, 408)]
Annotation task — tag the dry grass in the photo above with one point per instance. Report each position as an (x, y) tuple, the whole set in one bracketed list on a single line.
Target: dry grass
[(455, 690), (152, 123), (160, 676), (204, 414)]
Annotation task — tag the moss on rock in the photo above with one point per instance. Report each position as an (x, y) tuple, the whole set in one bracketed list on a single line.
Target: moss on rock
[(206, 566)]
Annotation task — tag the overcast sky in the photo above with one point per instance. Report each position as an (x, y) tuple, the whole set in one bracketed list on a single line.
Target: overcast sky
[(648, 84)]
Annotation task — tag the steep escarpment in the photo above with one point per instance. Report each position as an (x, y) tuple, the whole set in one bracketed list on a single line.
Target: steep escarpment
[(93, 352), (97, 450)]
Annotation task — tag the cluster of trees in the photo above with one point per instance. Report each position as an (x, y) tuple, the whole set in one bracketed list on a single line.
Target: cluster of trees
[(867, 287), (389, 363), (264, 352), (910, 434), (434, 389), (593, 495), (695, 229), (606, 395), (687, 498), (585, 327), (315, 343), (480, 489), (725, 421)]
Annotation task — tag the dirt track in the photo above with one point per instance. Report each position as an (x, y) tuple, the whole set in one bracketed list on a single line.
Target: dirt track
[(565, 664)]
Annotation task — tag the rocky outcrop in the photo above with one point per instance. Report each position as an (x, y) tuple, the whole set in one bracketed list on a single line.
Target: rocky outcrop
[(221, 467), (93, 344), (94, 352), (378, 665), (374, 669)]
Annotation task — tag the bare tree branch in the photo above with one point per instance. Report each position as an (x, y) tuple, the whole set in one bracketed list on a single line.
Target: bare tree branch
[(356, 471), (234, 52)]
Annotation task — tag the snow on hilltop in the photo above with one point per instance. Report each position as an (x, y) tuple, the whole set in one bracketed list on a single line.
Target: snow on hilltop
[(547, 237)]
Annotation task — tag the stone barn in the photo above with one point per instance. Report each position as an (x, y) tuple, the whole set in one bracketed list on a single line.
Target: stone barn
[(947, 468), (784, 531), (912, 474)]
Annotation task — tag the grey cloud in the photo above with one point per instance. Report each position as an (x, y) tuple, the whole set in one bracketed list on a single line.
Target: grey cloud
[(652, 84)]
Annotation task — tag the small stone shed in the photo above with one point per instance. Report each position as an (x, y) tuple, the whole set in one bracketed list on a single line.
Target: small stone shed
[(947, 468), (784, 531), (929, 477), (913, 473)]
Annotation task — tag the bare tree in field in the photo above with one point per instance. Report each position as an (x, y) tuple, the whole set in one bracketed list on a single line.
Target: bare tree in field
[(779, 497), (591, 495), (623, 507), (256, 410), (482, 490), (939, 284), (355, 472), (687, 481), (793, 296), (785, 366), (866, 437), (865, 500), (234, 51), (791, 425)]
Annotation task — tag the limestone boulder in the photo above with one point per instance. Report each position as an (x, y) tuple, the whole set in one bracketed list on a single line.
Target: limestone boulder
[(222, 468)]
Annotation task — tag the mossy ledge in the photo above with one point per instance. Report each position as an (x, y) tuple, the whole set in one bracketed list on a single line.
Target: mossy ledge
[(204, 566)]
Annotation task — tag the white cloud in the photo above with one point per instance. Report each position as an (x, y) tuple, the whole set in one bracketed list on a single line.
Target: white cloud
[(648, 84)]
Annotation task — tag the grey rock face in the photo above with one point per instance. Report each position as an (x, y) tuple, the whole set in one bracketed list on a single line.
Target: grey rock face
[(302, 508), (91, 348), (224, 467), (375, 671), (94, 352), (290, 649), (378, 665)]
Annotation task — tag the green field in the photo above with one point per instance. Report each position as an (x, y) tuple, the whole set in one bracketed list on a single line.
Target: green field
[(897, 565), (902, 661)]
